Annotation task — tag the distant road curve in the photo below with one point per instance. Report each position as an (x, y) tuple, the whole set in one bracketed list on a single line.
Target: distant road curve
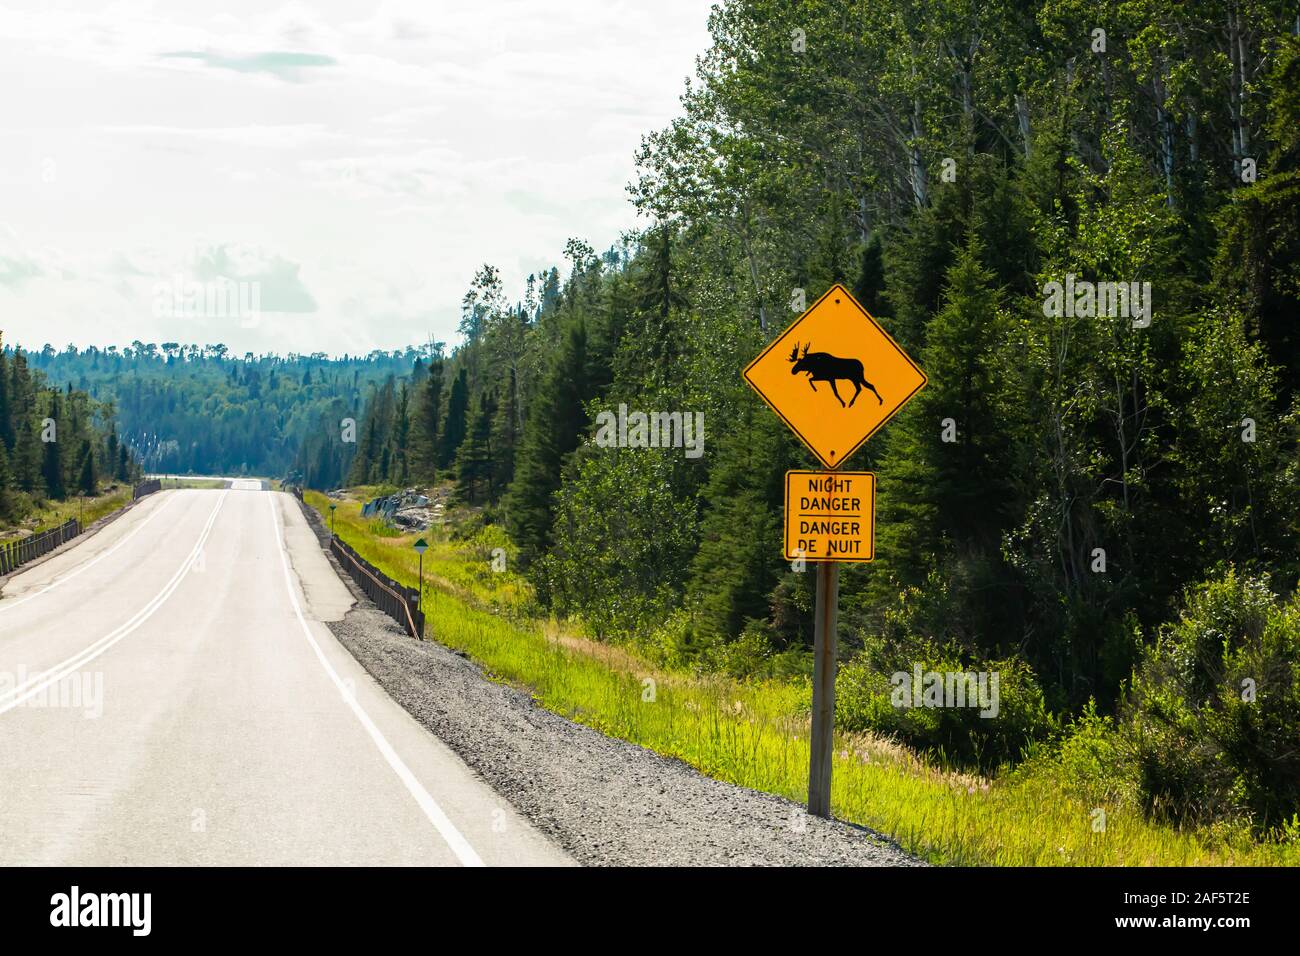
[(243, 484)]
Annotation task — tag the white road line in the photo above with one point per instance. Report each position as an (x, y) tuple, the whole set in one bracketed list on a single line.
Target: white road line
[(10, 605), (29, 688), (459, 845)]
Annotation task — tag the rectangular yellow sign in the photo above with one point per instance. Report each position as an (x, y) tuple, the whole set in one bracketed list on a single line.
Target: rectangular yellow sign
[(830, 515)]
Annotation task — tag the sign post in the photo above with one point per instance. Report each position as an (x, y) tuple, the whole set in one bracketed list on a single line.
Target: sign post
[(825, 647), (830, 514), (420, 547)]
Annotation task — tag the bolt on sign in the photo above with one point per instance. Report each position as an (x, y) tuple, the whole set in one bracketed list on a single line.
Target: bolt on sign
[(835, 376), (830, 516)]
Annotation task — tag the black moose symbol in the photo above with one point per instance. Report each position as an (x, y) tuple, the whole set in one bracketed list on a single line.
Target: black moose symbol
[(824, 367)]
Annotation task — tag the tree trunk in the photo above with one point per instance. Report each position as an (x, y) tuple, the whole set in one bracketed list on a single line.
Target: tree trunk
[(1022, 117), (920, 187), (1165, 125)]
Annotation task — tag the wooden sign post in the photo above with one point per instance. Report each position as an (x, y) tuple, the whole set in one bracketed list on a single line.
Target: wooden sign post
[(825, 651)]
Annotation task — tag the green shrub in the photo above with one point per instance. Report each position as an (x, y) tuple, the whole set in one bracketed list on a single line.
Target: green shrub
[(622, 540), (468, 526), (1215, 709), (749, 655), (869, 697), (1092, 759)]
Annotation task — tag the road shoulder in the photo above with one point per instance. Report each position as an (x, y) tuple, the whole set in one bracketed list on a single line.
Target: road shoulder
[(605, 801), (495, 830)]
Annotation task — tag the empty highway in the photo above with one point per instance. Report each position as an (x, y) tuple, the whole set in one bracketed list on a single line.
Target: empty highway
[(169, 695)]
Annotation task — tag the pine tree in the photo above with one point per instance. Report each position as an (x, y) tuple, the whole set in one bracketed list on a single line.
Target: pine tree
[(425, 440), (454, 427), (6, 483), (1259, 257), (52, 464), (87, 481), (401, 437), (556, 420), (739, 558), (505, 436), (656, 298), (947, 481), (474, 465), (869, 289), (8, 433), (110, 448), (958, 473), (363, 460), (374, 451)]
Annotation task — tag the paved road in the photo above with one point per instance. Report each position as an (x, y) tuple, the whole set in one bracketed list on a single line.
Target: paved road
[(169, 695)]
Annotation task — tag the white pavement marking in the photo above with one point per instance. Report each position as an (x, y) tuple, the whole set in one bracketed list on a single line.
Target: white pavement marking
[(29, 688), (10, 605), (459, 845)]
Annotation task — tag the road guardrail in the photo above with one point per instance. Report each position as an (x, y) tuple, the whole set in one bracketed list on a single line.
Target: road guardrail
[(14, 554), (146, 488), (399, 602)]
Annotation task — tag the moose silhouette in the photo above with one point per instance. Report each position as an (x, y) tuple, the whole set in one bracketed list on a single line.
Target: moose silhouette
[(824, 367)]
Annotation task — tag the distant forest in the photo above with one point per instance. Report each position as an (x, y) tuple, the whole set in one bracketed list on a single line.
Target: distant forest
[(198, 409), (1111, 519)]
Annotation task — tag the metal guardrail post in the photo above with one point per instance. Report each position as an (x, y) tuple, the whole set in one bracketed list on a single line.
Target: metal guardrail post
[(145, 488), (389, 596), (14, 554)]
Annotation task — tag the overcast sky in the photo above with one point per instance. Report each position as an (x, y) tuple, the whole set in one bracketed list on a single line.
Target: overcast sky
[(357, 161)]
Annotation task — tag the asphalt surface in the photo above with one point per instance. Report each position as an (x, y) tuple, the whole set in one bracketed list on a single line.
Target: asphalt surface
[(170, 694)]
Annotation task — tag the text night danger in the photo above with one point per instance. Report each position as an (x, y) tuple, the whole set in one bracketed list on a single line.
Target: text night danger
[(830, 516)]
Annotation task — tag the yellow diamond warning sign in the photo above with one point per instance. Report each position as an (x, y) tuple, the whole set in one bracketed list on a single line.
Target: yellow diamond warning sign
[(835, 376), (830, 516)]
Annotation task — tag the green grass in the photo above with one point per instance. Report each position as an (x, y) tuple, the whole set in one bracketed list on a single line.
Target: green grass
[(754, 733), (89, 510)]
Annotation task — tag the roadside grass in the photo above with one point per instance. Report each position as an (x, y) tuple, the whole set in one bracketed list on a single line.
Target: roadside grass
[(55, 513), (754, 733), (460, 567)]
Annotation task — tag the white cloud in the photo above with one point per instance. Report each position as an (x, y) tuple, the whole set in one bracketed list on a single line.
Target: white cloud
[(365, 165)]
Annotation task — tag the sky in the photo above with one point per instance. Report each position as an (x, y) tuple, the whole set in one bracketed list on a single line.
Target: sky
[(323, 177)]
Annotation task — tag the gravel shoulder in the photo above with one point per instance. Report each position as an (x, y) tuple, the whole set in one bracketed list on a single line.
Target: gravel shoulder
[(605, 801)]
